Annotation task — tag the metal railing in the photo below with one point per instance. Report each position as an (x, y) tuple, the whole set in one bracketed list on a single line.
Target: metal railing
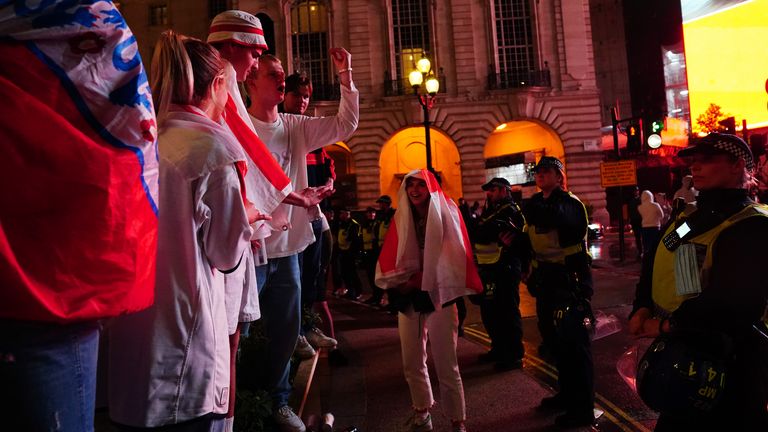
[(519, 79), (396, 87)]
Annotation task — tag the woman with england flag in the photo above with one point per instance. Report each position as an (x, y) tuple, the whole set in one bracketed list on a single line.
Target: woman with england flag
[(426, 263)]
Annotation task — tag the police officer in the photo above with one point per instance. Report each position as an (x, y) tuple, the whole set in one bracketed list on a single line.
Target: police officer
[(348, 241), (498, 246), (561, 281), (381, 223), (383, 216), (707, 277)]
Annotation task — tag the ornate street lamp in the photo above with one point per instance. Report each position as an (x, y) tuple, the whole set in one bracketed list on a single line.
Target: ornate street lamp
[(417, 77)]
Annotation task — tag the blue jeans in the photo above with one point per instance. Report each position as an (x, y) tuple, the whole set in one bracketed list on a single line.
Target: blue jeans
[(48, 375), (280, 300)]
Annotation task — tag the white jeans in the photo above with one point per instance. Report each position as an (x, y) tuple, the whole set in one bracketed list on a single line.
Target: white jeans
[(441, 328)]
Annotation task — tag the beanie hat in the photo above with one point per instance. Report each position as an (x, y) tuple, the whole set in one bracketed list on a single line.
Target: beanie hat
[(238, 27)]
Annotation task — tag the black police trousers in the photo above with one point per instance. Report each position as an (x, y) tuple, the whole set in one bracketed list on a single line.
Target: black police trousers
[(500, 311), (569, 340)]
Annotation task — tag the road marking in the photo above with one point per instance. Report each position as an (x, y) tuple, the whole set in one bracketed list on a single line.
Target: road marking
[(622, 413), (478, 334), (551, 371)]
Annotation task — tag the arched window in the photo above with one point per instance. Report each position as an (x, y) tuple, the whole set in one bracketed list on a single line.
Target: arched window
[(309, 40), (515, 61), (269, 31), (411, 37)]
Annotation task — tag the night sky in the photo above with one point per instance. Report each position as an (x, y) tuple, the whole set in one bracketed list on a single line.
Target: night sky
[(649, 24)]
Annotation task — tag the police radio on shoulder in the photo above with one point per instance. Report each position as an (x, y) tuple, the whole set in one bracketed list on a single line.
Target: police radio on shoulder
[(683, 229), (672, 240)]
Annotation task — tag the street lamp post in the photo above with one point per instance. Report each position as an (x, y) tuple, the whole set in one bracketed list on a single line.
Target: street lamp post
[(423, 75)]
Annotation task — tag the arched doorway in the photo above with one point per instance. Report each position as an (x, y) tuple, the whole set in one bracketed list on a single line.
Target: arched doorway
[(515, 146), (405, 152)]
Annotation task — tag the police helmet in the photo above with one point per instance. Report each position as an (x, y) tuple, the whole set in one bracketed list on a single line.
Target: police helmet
[(684, 373)]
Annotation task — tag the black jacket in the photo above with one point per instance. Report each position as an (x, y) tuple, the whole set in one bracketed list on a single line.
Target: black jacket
[(566, 214), (498, 218), (733, 299)]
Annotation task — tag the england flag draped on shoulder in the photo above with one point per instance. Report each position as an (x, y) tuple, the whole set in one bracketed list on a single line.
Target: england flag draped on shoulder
[(78, 212), (448, 268)]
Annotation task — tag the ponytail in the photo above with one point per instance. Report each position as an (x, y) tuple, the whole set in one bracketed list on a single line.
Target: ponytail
[(183, 70)]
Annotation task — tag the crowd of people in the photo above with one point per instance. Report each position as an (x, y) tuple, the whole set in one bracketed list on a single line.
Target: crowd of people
[(205, 209), (233, 211)]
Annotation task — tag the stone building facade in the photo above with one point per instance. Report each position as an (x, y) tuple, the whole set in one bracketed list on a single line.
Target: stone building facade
[(517, 81)]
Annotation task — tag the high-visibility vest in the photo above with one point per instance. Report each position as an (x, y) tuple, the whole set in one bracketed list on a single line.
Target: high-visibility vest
[(487, 253), (663, 281), (369, 237), (344, 242), (382, 232), (546, 245)]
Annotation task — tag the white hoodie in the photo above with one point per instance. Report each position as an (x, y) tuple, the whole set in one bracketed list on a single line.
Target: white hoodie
[(650, 210)]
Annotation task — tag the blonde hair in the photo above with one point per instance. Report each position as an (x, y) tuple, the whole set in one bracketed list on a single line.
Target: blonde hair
[(183, 70)]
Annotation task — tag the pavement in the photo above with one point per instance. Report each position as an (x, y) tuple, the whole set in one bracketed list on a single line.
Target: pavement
[(370, 392)]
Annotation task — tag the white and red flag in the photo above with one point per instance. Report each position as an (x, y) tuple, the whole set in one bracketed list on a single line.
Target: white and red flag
[(78, 212), (448, 269)]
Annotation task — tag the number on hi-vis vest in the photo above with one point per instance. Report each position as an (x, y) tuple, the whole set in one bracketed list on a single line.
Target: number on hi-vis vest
[(622, 173)]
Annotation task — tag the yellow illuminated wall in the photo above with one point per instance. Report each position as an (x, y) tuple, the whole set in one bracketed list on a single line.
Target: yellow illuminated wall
[(405, 152), (726, 54), (523, 136)]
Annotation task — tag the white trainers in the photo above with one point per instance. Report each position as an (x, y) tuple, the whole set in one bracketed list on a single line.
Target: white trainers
[(317, 339), (303, 349), (418, 424), (287, 421)]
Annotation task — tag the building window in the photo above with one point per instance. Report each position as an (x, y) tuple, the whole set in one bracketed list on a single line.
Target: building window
[(309, 39), (410, 20), (512, 167), (216, 7), (158, 15), (516, 65)]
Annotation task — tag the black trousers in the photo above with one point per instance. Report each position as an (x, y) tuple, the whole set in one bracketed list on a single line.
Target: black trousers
[(370, 258), (572, 349), (500, 311), (349, 276)]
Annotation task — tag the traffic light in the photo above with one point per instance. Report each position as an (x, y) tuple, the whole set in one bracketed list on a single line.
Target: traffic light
[(657, 126), (653, 134), (634, 142)]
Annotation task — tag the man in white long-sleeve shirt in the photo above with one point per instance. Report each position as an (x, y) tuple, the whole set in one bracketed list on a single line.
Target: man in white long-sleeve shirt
[(239, 38), (289, 138)]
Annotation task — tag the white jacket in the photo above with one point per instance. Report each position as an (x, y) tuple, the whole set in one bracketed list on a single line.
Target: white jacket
[(170, 363)]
